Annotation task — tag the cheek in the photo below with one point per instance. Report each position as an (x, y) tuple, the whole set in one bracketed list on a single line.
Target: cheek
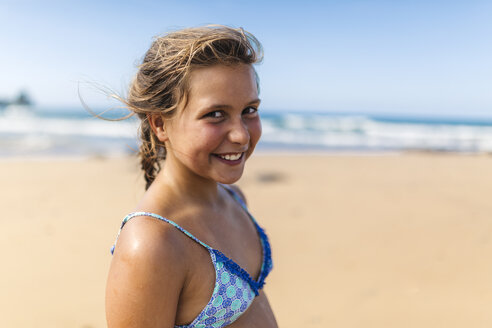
[(255, 131), (206, 138)]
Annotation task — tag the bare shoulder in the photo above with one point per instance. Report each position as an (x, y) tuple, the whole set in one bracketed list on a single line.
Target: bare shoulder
[(238, 191), (146, 276)]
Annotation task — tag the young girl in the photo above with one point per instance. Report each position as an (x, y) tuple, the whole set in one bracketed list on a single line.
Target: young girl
[(191, 255)]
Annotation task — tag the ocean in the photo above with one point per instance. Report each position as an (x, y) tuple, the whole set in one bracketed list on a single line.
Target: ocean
[(49, 132)]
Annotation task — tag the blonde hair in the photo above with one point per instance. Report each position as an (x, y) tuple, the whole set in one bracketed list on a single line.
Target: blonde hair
[(160, 85)]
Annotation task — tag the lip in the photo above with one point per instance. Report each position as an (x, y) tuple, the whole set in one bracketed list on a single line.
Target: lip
[(229, 162)]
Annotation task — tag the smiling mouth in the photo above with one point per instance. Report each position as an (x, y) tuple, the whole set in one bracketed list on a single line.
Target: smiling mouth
[(230, 157)]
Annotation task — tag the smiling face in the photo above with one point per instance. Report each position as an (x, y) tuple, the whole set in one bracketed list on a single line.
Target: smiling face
[(218, 129)]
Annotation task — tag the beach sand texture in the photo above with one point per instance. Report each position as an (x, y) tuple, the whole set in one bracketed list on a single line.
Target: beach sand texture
[(358, 241)]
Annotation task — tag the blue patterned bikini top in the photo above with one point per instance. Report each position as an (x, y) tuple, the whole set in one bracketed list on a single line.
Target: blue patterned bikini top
[(234, 289)]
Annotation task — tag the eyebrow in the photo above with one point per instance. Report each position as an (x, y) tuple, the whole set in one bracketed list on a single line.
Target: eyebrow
[(223, 106)]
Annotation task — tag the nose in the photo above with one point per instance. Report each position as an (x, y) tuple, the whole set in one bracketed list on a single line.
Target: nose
[(239, 133)]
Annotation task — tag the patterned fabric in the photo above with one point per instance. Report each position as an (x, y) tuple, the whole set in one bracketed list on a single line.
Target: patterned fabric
[(234, 289)]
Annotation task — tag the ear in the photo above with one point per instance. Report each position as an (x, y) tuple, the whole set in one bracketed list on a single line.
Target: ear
[(156, 122)]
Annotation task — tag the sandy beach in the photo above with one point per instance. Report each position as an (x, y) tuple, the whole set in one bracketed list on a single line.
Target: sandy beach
[(397, 240)]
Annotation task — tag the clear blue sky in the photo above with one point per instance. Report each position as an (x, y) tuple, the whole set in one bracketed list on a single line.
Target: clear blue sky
[(344, 56)]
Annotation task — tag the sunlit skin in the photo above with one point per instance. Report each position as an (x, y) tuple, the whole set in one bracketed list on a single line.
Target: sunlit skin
[(158, 276)]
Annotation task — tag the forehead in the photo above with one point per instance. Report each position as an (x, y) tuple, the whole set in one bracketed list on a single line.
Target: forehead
[(221, 83)]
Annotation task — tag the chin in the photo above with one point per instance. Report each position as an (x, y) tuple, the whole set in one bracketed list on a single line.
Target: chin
[(228, 180), (233, 178)]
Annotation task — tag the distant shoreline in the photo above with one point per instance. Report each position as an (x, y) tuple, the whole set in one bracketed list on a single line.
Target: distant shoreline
[(257, 153), (77, 133)]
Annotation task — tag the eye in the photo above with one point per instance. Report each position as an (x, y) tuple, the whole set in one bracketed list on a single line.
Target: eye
[(215, 114), (250, 111)]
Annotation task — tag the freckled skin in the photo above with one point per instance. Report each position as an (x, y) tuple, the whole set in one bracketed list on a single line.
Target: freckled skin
[(158, 276)]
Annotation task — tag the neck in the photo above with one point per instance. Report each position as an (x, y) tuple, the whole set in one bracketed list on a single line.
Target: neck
[(187, 184)]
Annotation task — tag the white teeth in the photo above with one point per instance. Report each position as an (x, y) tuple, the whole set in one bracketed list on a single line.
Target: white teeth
[(231, 157)]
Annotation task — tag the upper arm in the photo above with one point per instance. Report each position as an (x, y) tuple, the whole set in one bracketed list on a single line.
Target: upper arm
[(238, 191), (145, 278)]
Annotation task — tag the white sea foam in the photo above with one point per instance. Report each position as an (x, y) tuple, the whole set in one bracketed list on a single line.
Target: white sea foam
[(61, 126), (364, 133), (25, 133)]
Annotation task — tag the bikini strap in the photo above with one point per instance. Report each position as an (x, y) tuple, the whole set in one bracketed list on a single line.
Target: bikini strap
[(157, 216), (240, 200), (267, 265)]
